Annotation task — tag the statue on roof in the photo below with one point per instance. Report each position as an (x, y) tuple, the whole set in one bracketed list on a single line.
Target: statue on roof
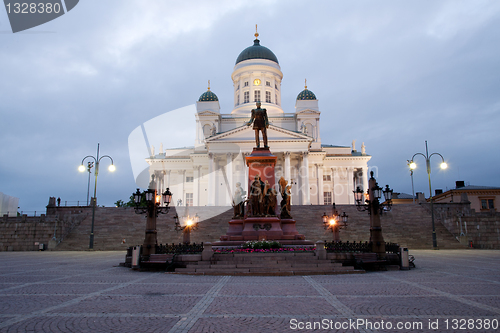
[(260, 123)]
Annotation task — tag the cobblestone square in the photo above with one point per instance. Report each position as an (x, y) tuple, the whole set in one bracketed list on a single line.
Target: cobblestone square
[(89, 292)]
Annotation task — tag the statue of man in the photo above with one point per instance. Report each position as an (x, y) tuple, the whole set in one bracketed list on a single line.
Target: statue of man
[(239, 201), (256, 196), (260, 122)]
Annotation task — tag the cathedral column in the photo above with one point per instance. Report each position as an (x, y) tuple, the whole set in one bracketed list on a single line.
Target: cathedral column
[(167, 179), (336, 184), (211, 181), (365, 178), (287, 166), (182, 186), (229, 175), (350, 180), (306, 191), (319, 173), (196, 190)]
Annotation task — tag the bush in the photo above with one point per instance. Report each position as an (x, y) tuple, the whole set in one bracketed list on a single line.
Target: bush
[(261, 245)]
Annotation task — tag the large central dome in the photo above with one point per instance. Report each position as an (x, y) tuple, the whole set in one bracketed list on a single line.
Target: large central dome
[(256, 51)]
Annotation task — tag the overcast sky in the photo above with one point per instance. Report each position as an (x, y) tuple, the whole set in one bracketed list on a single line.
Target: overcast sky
[(391, 74)]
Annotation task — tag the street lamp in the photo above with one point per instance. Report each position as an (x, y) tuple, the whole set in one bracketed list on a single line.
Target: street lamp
[(190, 223), (412, 166), (335, 222), (375, 209), (81, 168), (443, 165), (152, 209)]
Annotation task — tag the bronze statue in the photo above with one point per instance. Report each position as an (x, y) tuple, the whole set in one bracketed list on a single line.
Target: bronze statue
[(256, 196), (270, 202), (285, 198), (260, 122)]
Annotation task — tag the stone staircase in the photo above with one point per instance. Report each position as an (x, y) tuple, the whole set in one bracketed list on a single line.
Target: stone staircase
[(275, 264), (408, 225)]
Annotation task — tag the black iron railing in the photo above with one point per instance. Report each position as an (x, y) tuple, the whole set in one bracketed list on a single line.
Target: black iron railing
[(179, 248), (342, 247)]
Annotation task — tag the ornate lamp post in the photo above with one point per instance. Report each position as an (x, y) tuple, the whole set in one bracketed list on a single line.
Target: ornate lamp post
[(335, 222), (90, 165), (190, 223), (152, 209), (443, 165), (81, 168), (375, 209), (409, 163)]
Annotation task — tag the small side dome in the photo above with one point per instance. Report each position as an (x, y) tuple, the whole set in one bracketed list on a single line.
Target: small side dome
[(306, 94), (208, 96)]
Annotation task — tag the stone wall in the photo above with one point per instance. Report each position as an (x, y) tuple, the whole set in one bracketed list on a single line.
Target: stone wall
[(478, 230), (26, 233), (409, 225)]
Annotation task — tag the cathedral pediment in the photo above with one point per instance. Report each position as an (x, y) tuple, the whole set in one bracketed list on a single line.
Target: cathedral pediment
[(208, 113), (308, 111), (247, 134)]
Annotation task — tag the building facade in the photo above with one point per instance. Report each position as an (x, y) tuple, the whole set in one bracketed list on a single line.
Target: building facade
[(206, 174)]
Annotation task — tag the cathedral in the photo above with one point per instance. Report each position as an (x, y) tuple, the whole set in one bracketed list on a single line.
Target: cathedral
[(206, 174)]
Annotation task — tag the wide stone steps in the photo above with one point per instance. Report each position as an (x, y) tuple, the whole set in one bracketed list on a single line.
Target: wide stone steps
[(266, 264)]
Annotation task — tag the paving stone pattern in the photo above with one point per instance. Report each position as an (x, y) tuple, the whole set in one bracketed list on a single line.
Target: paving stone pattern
[(88, 292)]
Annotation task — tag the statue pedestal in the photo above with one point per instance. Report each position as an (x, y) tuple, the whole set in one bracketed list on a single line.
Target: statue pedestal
[(262, 163)]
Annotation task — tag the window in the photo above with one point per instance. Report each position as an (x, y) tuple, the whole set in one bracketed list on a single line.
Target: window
[(327, 178), (245, 84), (189, 179), (238, 88), (268, 83), (207, 130), (487, 204), (238, 99), (276, 86), (256, 94), (246, 97), (276, 99), (189, 199), (268, 97), (327, 198)]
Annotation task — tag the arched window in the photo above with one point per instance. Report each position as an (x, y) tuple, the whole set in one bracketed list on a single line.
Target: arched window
[(207, 130)]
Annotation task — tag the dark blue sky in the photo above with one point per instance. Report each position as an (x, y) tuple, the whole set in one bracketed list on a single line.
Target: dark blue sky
[(391, 74)]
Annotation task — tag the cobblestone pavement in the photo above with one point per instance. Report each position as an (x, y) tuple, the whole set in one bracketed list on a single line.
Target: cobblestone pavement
[(88, 292)]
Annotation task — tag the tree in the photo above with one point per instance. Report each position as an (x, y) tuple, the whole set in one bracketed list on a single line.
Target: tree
[(131, 202)]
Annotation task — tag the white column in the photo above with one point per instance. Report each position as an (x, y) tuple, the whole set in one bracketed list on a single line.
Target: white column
[(365, 178), (306, 192), (182, 186), (211, 181), (336, 186), (217, 178), (287, 166), (319, 173), (167, 179), (350, 179), (196, 190), (229, 173)]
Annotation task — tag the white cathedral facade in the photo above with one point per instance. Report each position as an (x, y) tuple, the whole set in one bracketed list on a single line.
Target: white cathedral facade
[(206, 174)]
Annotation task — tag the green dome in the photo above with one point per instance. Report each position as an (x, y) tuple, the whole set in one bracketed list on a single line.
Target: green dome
[(306, 95), (256, 51), (208, 96)]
